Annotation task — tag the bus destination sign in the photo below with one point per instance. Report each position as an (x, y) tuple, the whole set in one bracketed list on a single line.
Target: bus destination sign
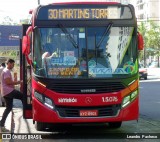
[(93, 13), (84, 13)]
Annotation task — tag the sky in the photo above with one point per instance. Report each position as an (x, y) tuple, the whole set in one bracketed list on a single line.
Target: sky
[(18, 9)]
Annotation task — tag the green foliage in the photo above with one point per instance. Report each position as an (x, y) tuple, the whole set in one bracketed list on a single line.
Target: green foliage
[(9, 21), (8, 54), (154, 37), (151, 34)]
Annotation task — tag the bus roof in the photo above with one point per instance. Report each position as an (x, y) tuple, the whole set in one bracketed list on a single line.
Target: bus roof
[(83, 11), (85, 2)]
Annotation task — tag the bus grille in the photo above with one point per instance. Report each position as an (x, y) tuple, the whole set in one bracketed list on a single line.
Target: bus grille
[(104, 111), (85, 87)]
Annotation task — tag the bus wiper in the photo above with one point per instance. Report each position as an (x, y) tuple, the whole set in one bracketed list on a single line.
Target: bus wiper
[(68, 36), (102, 38), (104, 34)]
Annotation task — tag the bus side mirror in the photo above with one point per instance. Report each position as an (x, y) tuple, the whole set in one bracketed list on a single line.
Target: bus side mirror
[(26, 45), (26, 48), (140, 42)]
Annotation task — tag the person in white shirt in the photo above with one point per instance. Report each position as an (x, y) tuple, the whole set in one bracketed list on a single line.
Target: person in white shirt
[(2, 102)]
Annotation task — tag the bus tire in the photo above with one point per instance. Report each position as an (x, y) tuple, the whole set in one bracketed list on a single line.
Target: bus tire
[(115, 124), (40, 126)]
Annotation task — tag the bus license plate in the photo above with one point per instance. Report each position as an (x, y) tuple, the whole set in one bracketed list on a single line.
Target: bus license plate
[(85, 113)]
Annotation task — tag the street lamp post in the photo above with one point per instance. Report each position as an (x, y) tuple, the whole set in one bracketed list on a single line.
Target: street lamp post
[(38, 2), (158, 58), (144, 57)]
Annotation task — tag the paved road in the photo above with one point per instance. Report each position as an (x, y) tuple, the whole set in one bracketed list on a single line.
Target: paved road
[(150, 99)]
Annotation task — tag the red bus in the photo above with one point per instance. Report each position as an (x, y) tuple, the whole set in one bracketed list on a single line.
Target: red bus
[(80, 64)]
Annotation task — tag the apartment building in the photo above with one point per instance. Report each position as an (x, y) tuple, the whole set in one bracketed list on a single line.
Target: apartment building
[(148, 10)]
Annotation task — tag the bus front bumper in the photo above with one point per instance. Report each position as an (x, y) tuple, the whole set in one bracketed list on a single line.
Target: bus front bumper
[(47, 115)]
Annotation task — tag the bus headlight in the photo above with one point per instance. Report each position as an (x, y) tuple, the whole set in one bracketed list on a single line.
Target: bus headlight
[(39, 96), (48, 103), (134, 95), (128, 99), (44, 100)]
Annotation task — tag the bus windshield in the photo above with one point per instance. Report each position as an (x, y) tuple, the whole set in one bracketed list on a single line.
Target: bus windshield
[(85, 52)]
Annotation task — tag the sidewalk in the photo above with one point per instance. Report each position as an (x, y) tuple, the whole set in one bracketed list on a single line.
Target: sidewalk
[(154, 72), (8, 121)]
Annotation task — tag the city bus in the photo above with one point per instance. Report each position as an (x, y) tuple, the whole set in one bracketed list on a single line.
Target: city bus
[(80, 64)]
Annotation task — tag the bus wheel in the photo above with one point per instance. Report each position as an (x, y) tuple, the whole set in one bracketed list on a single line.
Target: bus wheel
[(40, 126), (115, 124)]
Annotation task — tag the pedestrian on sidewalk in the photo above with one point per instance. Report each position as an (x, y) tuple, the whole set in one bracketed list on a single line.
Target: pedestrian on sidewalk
[(2, 102), (8, 91)]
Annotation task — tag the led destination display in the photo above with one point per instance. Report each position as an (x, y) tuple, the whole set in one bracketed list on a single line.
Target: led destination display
[(88, 12)]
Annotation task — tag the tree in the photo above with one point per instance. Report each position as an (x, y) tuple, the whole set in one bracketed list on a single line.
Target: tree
[(8, 21), (142, 28), (150, 31), (25, 21), (154, 39), (154, 36)]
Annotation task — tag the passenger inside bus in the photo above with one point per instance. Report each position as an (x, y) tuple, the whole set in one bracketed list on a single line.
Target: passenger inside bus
[(47, 47)]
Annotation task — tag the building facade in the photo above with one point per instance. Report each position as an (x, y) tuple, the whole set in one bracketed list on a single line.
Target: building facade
[(148, 10)]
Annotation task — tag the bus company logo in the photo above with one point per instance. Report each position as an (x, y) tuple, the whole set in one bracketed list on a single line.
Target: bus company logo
[(6, 136), (67, 100), (88, 90), (21, 136), (88, 100)]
